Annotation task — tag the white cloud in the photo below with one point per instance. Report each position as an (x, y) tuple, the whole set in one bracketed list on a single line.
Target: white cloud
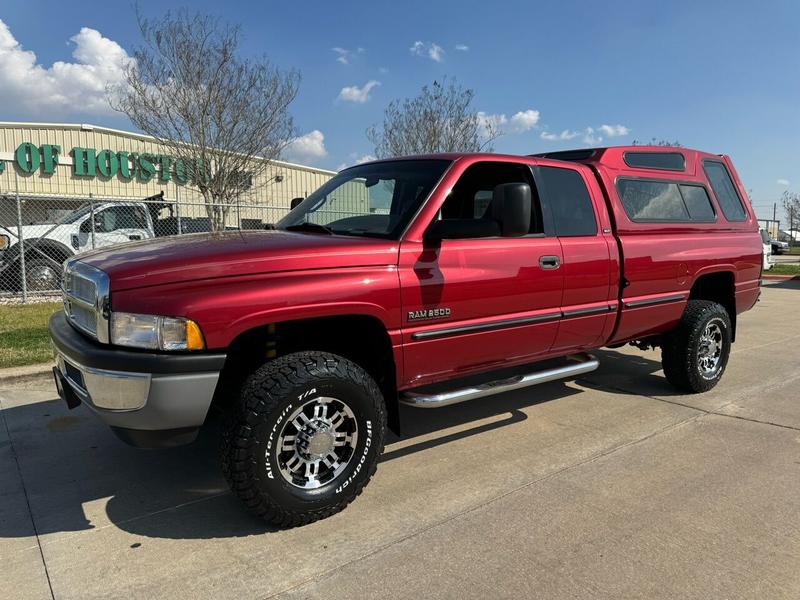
[(564, 135), (520, 122), (783, 182), (525, 120), (614, 130), (436, 53), (490, 123), (364, 158), (462, 47), (353, 93), (433, 51), (344, 56), (64, 87), (355, 159), (306, 147), (590, 137)]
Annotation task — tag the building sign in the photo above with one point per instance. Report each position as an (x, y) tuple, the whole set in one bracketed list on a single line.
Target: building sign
[(88, 162)]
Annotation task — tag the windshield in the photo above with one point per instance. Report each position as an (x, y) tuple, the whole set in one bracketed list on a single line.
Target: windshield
[(78, 214), (374, 200)]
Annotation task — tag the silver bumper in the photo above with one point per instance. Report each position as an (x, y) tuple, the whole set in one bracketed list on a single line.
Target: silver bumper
[(141, 401)]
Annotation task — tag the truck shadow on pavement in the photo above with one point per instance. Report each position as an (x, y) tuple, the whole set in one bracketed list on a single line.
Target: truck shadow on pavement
[(76, 476)]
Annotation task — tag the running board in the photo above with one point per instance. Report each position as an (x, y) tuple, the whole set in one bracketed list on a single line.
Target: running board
[(582, 363)]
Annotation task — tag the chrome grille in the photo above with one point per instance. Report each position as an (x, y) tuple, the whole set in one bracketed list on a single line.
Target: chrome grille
[(86, 299)]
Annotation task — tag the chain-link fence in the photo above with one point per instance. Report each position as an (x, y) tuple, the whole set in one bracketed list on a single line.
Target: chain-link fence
[(38, 233)]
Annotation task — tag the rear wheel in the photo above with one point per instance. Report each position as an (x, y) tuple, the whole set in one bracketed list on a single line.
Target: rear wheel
[(305, 437), (694, 354)]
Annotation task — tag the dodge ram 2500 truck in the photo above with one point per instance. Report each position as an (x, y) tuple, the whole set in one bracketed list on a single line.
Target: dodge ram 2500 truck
[(425, 281)]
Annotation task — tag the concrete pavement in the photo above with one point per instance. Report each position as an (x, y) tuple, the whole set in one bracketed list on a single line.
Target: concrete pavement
[(609, 486)]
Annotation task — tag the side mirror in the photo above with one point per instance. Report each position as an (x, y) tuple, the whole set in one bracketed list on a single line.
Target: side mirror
[(295, 202), (511, 207)]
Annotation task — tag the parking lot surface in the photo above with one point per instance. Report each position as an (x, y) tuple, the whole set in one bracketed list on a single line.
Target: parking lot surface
[(609, 486)]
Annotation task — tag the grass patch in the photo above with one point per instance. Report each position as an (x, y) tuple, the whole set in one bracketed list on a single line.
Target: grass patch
[(782, 269), (23, 334)]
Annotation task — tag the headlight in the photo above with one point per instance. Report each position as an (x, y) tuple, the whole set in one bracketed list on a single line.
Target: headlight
[(5, 241), (155, 333)]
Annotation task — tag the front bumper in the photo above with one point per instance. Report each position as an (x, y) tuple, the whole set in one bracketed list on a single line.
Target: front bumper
[(149, 399)]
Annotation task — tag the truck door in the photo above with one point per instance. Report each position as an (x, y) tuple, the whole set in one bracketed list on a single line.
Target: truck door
[(590, 274), (113, 225), (483, 300)]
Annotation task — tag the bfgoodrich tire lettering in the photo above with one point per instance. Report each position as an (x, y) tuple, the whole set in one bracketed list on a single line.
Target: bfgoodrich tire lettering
[(694, 355), (305, 437)]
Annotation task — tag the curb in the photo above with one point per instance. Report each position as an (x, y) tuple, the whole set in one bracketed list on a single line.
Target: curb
[(780, 277), (16, 375)]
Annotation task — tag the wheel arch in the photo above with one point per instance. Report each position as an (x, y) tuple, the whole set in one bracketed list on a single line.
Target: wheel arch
[(359, 337), (717, 285)]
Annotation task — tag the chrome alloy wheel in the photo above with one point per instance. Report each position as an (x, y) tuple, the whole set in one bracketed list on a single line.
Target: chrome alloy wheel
[(42, 278), (317, 443), (709, 352)]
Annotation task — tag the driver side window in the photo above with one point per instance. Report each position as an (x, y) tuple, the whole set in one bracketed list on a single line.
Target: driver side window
[(119, 217), (470, 201)]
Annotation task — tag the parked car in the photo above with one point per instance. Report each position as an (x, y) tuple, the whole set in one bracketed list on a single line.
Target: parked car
[(779, 247), (48, 245), (488, 273)]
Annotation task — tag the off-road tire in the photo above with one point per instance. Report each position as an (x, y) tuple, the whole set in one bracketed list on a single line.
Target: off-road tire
[(249, 459), (680, 348)]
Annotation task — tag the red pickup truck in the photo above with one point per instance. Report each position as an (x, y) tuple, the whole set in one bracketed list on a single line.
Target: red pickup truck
[(426, 281)]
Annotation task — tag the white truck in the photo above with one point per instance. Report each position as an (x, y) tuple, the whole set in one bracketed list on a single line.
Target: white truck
[(45, 247)]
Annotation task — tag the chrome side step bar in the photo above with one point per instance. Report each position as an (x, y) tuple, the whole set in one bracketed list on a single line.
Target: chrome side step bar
[(582, 363)]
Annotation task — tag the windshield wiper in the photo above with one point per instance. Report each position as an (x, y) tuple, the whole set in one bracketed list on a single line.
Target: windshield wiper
[(312, 227)]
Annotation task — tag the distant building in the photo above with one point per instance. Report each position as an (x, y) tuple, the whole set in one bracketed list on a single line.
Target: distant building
[(55, 168)]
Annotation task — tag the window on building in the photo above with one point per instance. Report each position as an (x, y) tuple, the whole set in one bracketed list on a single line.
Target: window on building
[(727, 196), (565, 194)]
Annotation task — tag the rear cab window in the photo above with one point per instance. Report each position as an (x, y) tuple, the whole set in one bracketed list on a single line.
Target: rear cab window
[(725, 191), (566, 198)]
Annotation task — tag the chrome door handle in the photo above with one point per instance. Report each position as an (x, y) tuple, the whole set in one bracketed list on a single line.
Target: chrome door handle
[(549, 262)]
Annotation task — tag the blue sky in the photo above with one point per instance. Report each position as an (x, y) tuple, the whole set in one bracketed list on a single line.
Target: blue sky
[(719, 76)]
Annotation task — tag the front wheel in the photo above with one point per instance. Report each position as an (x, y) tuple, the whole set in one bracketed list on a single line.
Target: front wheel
[(694, 354), (305, 437), (42, 275)]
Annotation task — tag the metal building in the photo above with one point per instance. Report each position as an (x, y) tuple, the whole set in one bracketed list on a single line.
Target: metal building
[(73, 187)]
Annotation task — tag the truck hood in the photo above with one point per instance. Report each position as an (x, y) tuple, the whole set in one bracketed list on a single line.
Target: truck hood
[(49, 230), (214, 255)]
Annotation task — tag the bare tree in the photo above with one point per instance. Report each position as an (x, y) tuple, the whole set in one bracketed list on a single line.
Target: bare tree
[(439, 119), (213, 111), (657, 142), (791, 207)]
